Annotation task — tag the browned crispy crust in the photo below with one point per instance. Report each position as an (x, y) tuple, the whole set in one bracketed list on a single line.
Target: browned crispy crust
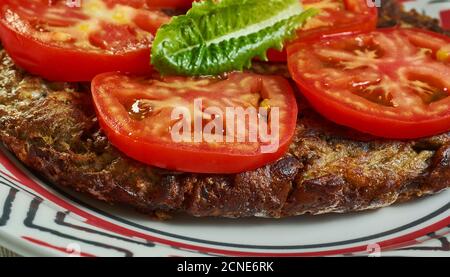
[(52, 128)]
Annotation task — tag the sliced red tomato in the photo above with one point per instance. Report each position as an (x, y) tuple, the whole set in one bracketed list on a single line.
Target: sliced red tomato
[(63, 43), (392, 83), (335, 17), (183, 4), (136, 113)]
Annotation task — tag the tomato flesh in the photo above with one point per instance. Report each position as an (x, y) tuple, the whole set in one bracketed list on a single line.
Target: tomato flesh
[(389, 83), (65, 43), (335, 17), (136, 115)]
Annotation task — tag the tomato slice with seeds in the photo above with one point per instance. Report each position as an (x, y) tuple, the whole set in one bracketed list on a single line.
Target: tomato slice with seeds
[(137, 115), (64, 43), (392, 83), (335, 17)]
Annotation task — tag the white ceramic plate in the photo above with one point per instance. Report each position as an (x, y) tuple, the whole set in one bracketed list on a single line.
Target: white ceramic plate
[(37, 218)]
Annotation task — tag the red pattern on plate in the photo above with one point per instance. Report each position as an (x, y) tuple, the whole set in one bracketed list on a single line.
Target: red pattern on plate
[(60, 249)]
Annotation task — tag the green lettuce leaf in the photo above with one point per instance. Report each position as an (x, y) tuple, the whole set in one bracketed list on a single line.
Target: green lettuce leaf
[(221, 36)]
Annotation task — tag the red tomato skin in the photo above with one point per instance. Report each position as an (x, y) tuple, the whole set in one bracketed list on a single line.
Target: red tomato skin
[(369, 124), (68, 65), (281, 56), (387, 128), (189, 159)]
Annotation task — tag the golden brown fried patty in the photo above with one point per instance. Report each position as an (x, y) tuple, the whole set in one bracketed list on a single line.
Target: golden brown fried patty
[(52, 128)]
